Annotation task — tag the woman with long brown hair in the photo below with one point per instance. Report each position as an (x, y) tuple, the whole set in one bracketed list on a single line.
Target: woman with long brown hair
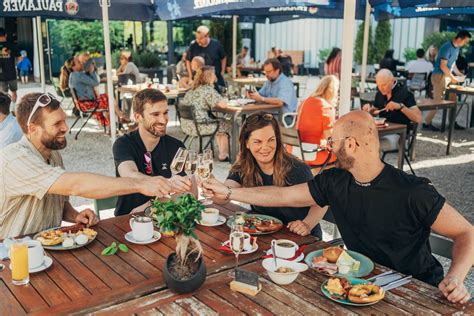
[(263, 161)]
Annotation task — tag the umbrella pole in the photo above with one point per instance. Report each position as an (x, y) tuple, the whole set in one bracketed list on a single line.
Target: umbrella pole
[(234, 46), (108, 66), (41, 53), (347, 55), (365, 47)]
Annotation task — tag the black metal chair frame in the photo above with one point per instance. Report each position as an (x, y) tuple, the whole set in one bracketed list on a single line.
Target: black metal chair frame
[(409, 146)]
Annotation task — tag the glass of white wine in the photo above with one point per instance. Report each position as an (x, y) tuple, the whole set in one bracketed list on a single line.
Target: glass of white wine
[(236, 240), (191, 162), (178, 162), (203, 172), (209, 157)]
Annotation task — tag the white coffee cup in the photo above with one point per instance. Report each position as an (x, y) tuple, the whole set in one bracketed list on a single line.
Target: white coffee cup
[(247, 242), (284, 248), (210, 215), (35, 254), (142, 228)]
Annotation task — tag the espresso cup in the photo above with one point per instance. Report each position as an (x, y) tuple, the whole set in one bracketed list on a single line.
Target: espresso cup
[(210, 215), (35, 254), (142, 228), (284, 248), (247, 242)]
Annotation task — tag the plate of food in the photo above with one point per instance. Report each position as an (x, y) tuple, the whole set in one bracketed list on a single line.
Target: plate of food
[(66, 238), (336, 260), (352, 291), (257, 224)]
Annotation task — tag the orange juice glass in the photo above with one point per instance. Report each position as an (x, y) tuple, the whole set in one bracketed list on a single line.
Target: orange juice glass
[(19, 262)]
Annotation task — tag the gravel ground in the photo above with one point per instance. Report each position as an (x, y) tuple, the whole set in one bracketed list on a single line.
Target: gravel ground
[(452, 175)]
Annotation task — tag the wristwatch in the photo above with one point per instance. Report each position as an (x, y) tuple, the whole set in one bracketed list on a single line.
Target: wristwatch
[(401, 106)]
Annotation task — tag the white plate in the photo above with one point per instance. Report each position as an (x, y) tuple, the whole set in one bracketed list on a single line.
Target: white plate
[(244, 252), (300, 258), (221, 220), (156, 237), (45, 265)]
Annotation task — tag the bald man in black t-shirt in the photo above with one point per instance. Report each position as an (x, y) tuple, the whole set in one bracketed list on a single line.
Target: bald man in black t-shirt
[(381, 212)]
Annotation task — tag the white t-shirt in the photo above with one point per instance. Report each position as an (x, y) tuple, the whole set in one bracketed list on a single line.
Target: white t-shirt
[(420, 65)]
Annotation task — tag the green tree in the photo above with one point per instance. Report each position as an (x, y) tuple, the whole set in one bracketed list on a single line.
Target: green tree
[(382, 40), (360, 42), (437, 39), (409, 54), (221, 30), (78, 36)]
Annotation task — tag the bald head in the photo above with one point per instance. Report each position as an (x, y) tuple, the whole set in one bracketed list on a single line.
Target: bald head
[(203, 30), (385, 81), (197, 62), (361, 139)]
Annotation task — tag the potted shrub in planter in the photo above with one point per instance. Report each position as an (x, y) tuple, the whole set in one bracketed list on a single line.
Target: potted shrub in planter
[(184, 270), (323, 55)]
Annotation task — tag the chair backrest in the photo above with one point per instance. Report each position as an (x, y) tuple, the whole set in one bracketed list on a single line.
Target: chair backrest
[(171, 73), (417, 80), (56, 86), (104, 204), (123, 79), (185, 111), (291, 136), (441, 246)]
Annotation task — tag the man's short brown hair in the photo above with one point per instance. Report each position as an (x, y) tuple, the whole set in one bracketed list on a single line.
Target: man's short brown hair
[(5, 101), (26, 105), (147, 96), (274, 62)]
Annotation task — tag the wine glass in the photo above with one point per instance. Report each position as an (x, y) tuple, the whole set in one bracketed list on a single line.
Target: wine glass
[(191, 163), (203, 172), (209, 157), (236, 244), (178, 162)]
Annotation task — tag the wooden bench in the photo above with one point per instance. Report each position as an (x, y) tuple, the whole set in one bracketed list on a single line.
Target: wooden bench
[(297, 56)]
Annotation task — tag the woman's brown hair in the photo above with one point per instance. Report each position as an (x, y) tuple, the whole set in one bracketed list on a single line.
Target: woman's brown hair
[(246, 165), (204, 76)]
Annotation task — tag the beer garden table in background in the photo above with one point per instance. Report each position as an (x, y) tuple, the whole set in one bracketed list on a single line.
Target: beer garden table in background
[(395, 129), (467, 91)]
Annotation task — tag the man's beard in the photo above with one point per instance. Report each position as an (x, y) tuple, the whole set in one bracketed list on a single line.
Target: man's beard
[(150, 127), (53, 143), (343, 160)]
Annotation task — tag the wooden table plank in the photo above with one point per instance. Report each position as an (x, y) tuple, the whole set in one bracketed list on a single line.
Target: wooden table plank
[(68, 283), (195, 307), (173, 309), (152, 312), (8, 304), (51, 293), (241, 301), (221, 306)]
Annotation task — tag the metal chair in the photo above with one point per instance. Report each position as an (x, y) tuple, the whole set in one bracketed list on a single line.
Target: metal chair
[(88, 113), (62, 94), (417, 81), (409, 147), (104, 204), (186, 112)]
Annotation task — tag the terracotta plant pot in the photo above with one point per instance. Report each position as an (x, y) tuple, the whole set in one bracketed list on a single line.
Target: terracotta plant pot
[(184, 286)]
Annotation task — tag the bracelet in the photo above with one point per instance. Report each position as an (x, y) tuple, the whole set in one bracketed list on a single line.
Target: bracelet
[(228, 194)]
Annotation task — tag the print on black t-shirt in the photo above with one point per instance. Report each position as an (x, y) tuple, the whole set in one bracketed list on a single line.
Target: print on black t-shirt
[(8, 54)]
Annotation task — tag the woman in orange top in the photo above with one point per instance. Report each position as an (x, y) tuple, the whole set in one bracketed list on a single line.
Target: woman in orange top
[(316, 116)]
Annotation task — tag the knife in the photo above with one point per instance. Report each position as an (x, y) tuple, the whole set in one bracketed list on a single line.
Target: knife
[(375, 277), (397, 283)]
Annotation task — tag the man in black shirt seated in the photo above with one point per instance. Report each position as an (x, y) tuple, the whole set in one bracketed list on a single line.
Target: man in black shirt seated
[(394, 102), (380, 211), (147, 151)]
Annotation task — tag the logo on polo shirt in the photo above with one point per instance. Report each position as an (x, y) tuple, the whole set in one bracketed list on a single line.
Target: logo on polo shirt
[(164, 166)]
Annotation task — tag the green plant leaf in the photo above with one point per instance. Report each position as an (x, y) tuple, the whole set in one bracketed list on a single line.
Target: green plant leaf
[(113, 245), (113, 251), (108, 251), (123, 247)]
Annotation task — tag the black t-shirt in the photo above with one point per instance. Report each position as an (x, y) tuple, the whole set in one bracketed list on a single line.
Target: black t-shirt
[(299, 173), (8, 53), (400, 94), (130, 147), (388, 220), (212, 54)]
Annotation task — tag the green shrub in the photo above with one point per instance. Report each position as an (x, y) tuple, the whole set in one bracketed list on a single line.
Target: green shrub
[(382, 40), (437, 39), (146, 59), (409, 54), (360, 42), (324, 54)]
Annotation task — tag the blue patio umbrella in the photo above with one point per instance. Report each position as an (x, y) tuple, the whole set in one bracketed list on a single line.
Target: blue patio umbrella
[(128, 10), (181, 9)]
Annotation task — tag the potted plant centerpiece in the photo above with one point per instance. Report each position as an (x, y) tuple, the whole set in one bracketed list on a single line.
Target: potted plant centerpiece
[(184, 270)]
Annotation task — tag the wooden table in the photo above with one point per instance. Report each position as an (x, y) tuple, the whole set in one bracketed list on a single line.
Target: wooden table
[(445, 105), (238, 115), (256, 81), (83, 280), (396, 129), (302, 297), (468, 91)]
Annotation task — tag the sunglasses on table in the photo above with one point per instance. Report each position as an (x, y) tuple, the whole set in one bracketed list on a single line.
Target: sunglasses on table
[(43, 101)]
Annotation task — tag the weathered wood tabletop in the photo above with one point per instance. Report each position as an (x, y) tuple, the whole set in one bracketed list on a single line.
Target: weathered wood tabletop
[(83, 280), (302, 297)]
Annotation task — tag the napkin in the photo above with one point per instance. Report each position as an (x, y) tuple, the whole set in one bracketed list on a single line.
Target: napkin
[(225, 247), (297, 253)]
